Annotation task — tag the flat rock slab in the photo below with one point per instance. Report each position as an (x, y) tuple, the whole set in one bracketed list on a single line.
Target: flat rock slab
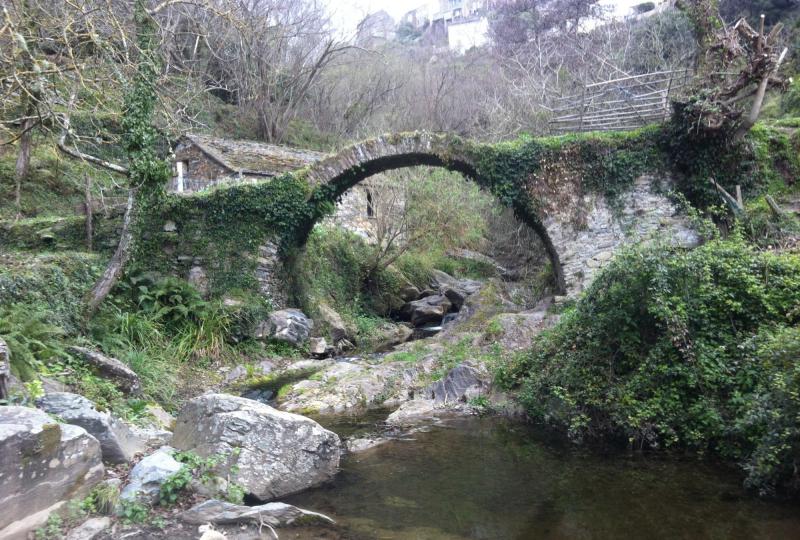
[(42, 464), (275, 514), (90, 529)]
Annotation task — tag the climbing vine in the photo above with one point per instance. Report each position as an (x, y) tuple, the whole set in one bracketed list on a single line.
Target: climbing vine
[(226, 227)]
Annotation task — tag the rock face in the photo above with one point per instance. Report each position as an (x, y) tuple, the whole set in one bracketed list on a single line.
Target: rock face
[(43, 464), (146, 477), (220, 513), (289, 325), (337, 328), (440, 280), (429, 309), (118, 442), (318, 347), (274, 453), (459, 385), (110, 367), (414, 412), (392, 335)]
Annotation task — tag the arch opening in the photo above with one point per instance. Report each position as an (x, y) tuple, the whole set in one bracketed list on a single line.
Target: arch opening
[(333, 177)]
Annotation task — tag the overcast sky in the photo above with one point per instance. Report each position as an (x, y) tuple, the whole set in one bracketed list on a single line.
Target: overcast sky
[(346, 14)]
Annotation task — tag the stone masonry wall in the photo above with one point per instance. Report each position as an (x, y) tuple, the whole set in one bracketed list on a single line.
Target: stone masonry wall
[(646, 212), (202, 170)]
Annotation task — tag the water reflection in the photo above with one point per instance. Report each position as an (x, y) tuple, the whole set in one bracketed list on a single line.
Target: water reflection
[(491, 479)]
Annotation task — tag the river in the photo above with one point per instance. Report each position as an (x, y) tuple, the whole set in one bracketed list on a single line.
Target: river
[(491, 478)]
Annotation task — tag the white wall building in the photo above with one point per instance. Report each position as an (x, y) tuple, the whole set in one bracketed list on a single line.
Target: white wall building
[(463, 35)]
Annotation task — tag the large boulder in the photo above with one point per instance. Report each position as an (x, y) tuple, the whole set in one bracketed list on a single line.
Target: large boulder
[(269, 453), (460, 384), (429, 309), (118, 441), (125, 377), (147, 476), (289, 325), (43, 464), (339, 331), (390, 335), (441, 279)]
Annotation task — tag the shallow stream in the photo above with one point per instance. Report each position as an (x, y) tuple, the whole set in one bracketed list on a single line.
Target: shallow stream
[(489, 478)]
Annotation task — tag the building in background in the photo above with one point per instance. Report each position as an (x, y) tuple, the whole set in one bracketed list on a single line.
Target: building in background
[(202, 162), (375, 29)]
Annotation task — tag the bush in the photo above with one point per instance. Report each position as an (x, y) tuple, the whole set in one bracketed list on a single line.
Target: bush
[(32, 340), (660, 353)]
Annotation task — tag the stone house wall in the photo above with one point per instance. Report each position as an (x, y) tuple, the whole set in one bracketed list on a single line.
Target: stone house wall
[(199, 170), (358, 211), (369, 207)]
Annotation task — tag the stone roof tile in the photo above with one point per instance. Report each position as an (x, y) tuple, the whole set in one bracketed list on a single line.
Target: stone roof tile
[(251, 157)]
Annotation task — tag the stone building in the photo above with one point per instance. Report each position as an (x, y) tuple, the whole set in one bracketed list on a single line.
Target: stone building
[(203, 161)]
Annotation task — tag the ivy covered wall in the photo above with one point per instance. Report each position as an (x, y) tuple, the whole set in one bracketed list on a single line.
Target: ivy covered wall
[(569, 189)]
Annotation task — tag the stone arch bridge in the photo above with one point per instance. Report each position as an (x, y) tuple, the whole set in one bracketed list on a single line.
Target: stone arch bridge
[(545, 185)]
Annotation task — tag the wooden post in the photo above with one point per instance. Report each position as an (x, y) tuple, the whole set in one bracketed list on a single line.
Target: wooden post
[(666, 96), (739, 195), (89, 210)]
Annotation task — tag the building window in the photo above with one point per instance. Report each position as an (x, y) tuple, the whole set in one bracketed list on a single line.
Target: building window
[(370, 206)]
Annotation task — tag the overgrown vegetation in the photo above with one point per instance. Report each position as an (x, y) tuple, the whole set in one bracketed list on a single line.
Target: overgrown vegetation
[(673, 349)]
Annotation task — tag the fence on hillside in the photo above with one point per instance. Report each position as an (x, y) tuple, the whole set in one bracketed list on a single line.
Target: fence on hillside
[(619, 104)]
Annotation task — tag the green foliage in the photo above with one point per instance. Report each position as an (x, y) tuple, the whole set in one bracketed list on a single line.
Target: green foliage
[(170, 300), (103, 499), (51, 529), (146, 170), (201, 470), (33, 342), (54, 284), (274, 382), (653, 355), (790, 104), (132, 512), (765, 157), (35, 389), (173, 487), (763, 228), (225, 224)]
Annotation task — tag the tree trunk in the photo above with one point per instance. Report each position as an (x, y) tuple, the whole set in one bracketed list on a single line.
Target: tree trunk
[(89, 212), (23, 162), (117, 263)]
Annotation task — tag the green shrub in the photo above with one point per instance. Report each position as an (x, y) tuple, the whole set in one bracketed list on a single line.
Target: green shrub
[(32, 340), (170, 300), (654, 355)]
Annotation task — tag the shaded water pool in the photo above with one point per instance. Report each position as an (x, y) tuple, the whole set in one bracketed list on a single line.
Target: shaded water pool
[(488, 478)]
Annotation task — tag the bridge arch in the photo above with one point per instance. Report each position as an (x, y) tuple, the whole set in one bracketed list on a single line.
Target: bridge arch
[(331, 177)]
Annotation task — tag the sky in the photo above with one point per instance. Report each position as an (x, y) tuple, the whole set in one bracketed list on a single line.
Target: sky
[(346, 14)]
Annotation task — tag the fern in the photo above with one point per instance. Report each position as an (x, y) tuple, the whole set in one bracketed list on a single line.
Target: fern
[(33, 341)]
